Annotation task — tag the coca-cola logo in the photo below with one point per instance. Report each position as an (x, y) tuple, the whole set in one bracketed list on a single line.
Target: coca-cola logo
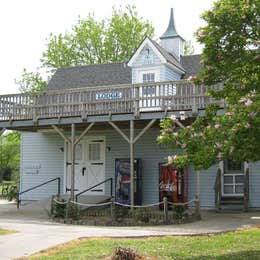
[(167, 186)]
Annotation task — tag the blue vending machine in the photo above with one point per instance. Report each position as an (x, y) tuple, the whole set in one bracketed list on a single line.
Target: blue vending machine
[(123, 183)]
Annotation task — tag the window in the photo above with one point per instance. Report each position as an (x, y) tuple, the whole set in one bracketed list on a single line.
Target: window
[(234, 166), (233, 178), (94, 151), (148, 77)]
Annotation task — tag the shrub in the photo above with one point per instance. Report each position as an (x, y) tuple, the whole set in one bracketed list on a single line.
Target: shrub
[(122, 253), (12, 193), (179, 211), (141, 215)]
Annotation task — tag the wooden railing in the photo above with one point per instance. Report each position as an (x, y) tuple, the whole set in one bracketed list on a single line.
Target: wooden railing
[(135, 98)]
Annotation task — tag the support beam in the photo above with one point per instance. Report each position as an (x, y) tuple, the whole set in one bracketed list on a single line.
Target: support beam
[(144, 130), (179, 123), (72, 157), (83, 133), (119, 131), (132, 162), (59, 131), (2, 131)]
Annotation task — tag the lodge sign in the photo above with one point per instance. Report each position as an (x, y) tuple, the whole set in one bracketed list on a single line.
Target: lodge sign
[(108, 95)]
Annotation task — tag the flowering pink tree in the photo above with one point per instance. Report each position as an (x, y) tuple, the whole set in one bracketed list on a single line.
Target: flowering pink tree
[(231, 57)]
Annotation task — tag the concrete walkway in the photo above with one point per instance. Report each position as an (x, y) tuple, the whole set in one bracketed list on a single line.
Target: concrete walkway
[(36, 233)]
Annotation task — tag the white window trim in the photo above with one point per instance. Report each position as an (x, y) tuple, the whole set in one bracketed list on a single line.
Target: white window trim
[(221, 166)]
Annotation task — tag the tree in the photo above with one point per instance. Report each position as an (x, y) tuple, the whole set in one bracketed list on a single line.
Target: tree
[(10, 154), (90, 42), (31, 82), (230, 58), (188, 48)]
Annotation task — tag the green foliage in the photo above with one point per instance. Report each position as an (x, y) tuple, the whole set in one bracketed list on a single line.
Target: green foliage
[(10, 154), (141, 215), (188, 48), (237, 245), (121, 213), (59, 209), (90, 41), (230, 58), (12, 193), (31, 82), (94, 42), (179, 211)]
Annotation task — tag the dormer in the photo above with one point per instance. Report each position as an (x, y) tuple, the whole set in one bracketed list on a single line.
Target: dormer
[(171, 40)]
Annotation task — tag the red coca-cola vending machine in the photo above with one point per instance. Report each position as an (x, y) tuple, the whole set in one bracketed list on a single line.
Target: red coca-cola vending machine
[(173, 184)]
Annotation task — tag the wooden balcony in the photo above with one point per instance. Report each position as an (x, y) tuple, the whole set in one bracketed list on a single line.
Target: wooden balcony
[(123, 99)]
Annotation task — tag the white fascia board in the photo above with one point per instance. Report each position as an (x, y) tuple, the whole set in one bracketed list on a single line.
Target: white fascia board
[(138, 51), (176, 69)]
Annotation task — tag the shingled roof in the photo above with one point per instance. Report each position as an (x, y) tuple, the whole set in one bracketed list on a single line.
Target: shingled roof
[(168, 56), (112, 73), (90, 76), (191, 64)]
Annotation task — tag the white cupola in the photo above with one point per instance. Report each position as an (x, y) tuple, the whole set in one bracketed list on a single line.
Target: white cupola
[(171, 40)]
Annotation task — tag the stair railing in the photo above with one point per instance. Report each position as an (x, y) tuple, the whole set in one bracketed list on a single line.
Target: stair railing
[(246, 190), (96, 185), (217, 188), (37, 186)]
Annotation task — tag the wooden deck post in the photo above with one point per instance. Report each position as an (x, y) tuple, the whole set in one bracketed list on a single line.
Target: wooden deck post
[(132, 162), (72, 159), (131, 141)]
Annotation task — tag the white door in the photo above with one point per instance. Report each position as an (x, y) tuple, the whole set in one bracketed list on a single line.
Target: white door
[(95, 165), (89, 166), (80, 181), (233, 179)]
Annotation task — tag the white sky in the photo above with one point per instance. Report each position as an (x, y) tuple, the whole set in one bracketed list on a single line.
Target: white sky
[(26, 24)]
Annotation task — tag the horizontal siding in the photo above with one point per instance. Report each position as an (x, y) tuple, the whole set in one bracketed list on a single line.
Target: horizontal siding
[(207, 181), (43, 149), (41, 161), (170, 74), (140, 60), (254, 184)]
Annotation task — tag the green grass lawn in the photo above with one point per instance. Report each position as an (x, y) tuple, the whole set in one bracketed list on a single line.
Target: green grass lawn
[(234, 245)]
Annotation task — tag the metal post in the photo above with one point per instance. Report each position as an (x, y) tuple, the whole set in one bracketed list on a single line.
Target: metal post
[(111, 187), (72, 157), (132, 161), (58, 186)]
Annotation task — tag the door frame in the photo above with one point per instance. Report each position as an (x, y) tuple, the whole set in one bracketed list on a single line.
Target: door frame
[(65, 149)]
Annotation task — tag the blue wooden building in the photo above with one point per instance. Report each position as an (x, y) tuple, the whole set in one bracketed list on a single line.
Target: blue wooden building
[(89, 116)]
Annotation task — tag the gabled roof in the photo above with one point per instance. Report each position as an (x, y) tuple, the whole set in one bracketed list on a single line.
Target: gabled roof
[(168, 56), (146, 42), (90, 75), (192, 65), (163, 55)]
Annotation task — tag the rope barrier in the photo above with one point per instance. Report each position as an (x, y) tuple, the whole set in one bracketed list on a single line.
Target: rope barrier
[(124, 205), (91, 205), (60, 202), (139, 206), (181, 204)]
